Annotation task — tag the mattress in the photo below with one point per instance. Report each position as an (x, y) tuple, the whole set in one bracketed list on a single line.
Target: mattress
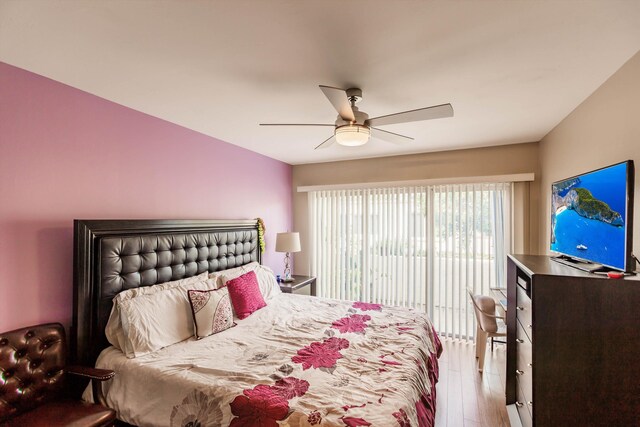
[(300, 361)]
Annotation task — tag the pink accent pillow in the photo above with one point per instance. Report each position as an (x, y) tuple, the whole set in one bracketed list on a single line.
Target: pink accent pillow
[(245, 294)]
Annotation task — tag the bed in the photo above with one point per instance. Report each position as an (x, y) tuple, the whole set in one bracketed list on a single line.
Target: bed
[(299, 361)]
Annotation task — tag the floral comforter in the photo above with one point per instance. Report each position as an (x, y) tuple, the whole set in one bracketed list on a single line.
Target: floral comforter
[(300, 361)]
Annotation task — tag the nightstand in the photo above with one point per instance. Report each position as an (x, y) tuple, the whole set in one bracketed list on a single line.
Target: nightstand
[(299, 282)]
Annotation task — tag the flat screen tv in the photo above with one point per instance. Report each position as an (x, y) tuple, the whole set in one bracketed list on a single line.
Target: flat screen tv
[(591, 217)]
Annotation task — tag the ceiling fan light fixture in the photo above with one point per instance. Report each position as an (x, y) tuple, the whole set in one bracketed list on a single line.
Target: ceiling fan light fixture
[(352, 135), (354, 128)]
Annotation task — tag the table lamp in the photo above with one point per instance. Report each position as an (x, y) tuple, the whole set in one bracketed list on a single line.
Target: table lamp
[(287, 242)]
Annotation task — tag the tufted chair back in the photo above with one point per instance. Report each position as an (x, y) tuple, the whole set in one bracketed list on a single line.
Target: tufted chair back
[(31, 367)]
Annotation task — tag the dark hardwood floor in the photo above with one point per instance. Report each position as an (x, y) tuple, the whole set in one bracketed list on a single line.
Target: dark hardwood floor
[(466, 397)]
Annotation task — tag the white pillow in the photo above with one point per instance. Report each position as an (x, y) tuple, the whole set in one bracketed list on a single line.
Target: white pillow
[(215, 275), (113, 330), (266, 280), (225, 275), (153, 321)]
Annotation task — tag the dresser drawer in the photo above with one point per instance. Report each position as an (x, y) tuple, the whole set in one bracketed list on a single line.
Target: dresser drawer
[(523, 310), (523, 408), (524, 366), (524, 387), (523, 343)]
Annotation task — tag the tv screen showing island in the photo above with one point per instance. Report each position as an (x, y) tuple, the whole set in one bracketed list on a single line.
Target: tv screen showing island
[(589, 216)]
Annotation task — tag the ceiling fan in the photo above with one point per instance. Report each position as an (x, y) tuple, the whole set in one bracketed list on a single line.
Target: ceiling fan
[(354, 127)]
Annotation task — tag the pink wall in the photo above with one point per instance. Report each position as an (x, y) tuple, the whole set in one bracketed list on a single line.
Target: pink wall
[(66, 154)]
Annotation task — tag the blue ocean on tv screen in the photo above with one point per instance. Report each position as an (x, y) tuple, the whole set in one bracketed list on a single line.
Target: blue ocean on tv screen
[(592, 239)]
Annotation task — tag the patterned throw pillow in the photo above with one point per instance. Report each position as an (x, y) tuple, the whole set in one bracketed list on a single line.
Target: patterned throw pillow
[(211, 310), (245, 294)]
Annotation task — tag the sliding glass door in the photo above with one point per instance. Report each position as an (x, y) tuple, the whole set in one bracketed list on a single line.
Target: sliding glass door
[(470, 239), (418, 247)]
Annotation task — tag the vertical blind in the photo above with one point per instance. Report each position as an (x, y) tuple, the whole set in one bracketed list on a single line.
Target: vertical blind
[(370, 245), (471, 235), (418, 247)]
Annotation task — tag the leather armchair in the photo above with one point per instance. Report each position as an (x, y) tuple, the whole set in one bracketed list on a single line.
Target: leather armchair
[(33, 374)]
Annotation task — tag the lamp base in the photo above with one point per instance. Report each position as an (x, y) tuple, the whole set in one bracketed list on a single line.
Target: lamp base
[(287, 269)]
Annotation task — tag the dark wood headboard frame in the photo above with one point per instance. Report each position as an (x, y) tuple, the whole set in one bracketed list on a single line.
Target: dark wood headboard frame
[(86, 334)]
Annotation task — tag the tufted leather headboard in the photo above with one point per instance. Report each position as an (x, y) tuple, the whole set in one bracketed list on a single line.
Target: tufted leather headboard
[(111, 256)]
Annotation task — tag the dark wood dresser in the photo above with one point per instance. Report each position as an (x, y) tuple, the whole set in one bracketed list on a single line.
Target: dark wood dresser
[(573, 345)]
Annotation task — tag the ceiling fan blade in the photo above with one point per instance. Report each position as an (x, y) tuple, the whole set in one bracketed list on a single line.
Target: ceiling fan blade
[(296, 124), (429, 113), (340, 101), (396, 138), (327, 142)]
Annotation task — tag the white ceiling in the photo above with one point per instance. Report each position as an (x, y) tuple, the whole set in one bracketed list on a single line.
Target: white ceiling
[(511, 69)]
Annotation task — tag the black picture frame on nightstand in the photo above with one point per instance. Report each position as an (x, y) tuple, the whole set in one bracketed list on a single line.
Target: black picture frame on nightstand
[(299, 282)]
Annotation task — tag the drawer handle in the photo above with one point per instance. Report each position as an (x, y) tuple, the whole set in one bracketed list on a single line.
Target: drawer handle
[(519, 404), (530, 326), (530, 365), (530, 403), (519, 341), (518, 307), (519, 372)]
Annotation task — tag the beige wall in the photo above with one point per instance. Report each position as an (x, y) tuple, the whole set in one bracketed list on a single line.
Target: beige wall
[(603, 130), (501, 160)]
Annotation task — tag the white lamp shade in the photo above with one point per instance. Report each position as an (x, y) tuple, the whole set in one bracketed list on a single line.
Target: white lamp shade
[(352, 135), (288, 242)]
